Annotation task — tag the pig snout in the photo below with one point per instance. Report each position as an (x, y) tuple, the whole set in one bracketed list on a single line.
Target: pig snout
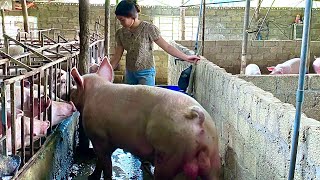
[(44, 127), (73, 107), (61, 111), (40, 128)]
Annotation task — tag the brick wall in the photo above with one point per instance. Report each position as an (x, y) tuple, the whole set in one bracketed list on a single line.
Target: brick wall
[(255, 127), (227, 54)]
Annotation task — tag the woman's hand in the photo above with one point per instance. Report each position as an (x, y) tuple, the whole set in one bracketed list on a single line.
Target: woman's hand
[(192, 58)]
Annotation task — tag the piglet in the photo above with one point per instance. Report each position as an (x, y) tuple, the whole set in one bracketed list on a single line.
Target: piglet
[(45, 102), (316, 65), (252, 69), (167, 127), (39, 130), (289, 67)]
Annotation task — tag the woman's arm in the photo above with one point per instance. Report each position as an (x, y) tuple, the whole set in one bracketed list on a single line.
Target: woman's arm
[(174, 51), (114, 60)]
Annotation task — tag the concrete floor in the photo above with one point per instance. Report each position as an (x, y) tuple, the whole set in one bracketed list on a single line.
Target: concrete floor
[(125, 167)]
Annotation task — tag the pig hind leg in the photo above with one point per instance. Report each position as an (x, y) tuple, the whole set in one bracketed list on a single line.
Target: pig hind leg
[(104, 163)]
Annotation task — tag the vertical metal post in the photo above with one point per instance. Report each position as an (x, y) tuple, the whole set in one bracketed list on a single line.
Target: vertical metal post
[(13, 119), (4, 118), (300, 90)]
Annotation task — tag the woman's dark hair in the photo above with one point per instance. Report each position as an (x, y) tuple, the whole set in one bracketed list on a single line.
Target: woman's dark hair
[(127, 8)]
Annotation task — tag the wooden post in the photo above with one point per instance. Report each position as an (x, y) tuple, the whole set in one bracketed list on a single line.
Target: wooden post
[(203, 26), (257, 15), (84, 56), (5, 39), (25, 15), (106, 27), (183, 21), (245, 39)]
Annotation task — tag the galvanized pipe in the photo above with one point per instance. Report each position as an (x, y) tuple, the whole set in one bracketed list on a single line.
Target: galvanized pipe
[(300, 90)]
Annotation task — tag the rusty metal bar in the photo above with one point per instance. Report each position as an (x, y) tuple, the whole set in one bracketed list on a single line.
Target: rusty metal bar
[(51, 96), (15, 60), (57, 42), (68, 87), (67, 41), (45, 74), (30, 49), (23, 150), (39, 98), (61, 55), (2, 61), (35, 71), (4, 118), (13, 119), (32, 115), (39, 95), (55, 81)]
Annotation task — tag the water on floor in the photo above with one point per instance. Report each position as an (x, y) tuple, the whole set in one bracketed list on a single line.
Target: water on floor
[(125, 167)]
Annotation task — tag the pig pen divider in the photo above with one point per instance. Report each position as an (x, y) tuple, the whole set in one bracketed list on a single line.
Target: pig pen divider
[(12, 83), (9, 84)]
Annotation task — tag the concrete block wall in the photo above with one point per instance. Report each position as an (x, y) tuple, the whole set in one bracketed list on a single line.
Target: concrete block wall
[(255, 128), (227, 54), (285, 87)]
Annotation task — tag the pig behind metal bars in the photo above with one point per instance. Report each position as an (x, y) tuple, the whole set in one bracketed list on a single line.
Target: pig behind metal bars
[(169, 128)]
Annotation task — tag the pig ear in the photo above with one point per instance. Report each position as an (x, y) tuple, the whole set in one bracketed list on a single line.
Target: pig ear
[(77, 77), (270, 68), (105, 70)]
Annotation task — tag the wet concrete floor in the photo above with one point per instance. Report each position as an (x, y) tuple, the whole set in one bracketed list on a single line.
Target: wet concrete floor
[(125, 167)]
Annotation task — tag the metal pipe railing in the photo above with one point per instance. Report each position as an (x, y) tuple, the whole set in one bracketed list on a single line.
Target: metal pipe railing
[(300, 90)]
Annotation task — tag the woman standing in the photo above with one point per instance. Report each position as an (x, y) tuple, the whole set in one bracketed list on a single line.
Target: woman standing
[(137, 37)]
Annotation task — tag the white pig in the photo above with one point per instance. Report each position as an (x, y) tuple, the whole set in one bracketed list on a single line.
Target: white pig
[(252, 69), (316, 65), (288, 67)]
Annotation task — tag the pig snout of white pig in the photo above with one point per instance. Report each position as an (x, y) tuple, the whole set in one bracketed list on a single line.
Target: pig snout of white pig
[(61, 111)]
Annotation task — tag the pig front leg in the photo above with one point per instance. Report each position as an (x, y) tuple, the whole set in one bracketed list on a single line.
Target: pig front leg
[(104, 163)]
